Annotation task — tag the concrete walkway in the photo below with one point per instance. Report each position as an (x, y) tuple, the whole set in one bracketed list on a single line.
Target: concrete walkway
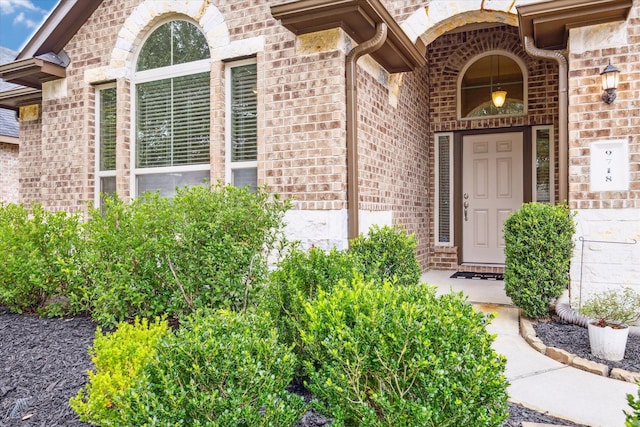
[(537, 381)]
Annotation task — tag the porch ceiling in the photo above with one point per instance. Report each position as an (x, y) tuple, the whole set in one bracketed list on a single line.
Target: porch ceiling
[(548, 23), (358, 18)]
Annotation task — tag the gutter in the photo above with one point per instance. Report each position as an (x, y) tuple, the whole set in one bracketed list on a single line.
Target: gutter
[(563, 111), (371, 45), (375, 31)]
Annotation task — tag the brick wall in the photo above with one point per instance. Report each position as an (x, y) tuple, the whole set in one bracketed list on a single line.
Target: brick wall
[(607, 221), (9, 173), (393, 153), (446, 57), (301, 114)]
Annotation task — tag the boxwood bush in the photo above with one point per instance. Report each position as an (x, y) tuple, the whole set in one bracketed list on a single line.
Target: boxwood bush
[(203, 248), (221, 368), (538, 248), (118, 358), (387, 253), (298, 279), (385, 355), (41, 255)]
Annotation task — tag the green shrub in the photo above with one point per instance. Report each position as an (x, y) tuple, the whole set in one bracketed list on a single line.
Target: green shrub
[(127, 245), (41, 254), (224, 239), (633, 418), (117, 358), (203, 248), (387, 253), (384, 355), (298, 278), (220, 369), (538, 249)]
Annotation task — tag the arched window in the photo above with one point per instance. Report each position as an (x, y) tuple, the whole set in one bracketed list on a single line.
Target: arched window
[(492, 85), (172, 109)]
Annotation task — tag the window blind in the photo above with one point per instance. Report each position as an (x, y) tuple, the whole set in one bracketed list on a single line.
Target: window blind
[(244, 123), (107, 138), (172, 121), (444, 188)]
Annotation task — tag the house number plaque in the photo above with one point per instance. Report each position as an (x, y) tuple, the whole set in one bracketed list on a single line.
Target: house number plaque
[(610, 166)]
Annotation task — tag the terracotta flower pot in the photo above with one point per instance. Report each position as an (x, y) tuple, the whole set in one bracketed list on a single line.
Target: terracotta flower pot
[(608, 343)]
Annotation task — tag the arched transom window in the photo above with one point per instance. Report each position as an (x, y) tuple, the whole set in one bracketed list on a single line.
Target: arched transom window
[(492, 85), (172, 109)]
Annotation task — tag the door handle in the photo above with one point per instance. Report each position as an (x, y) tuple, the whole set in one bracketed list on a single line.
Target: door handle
[(466, 207)]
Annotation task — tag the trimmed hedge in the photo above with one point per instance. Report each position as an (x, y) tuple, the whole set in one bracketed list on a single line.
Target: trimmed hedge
[(387, 253), (118, 358), (42, 256), (385, 355), (221, 368), (538, 248), (205, 248)]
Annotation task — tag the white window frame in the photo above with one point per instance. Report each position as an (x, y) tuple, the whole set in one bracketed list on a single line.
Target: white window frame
[(437, 137), (230, 166), (98, 173), (552, 169), (162, 73)]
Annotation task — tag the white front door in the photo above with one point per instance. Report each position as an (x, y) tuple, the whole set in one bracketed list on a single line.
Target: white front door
[(492, 188)]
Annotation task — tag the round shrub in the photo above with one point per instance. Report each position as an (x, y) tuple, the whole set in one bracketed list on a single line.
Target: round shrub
[(41, 253), (118, 358), (204, 248), (538, 248), (298, 278), (220, 369), (385, 355), (387, 253)]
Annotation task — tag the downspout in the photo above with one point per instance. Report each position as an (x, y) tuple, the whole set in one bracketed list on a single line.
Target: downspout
[(364, 48), (563, 111)]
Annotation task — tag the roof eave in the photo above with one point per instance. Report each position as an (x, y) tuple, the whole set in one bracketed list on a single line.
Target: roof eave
[(31, 72), (548, 23), (358, 18), (15, 98), (59, 27)]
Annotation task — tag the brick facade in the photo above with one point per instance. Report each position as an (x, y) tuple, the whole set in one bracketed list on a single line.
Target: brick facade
[(301, 117), (9, 173), (302, 110), (608, 222)]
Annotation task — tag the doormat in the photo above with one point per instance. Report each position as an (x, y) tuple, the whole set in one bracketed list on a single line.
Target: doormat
[(475, 275)]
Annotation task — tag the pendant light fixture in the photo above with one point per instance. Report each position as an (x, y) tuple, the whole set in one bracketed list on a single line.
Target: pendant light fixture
[(498, 96)]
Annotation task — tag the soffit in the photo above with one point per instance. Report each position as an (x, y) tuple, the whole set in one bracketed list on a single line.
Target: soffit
[(13, 99), (358, 18), (31, 72), (548, 23)]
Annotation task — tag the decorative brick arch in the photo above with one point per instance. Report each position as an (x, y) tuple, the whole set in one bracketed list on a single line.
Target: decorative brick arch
[(498, 39), (439, 16), (147, 13)]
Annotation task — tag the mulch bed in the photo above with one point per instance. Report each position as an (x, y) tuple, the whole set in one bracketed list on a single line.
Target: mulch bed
[(575, 340), (43, 362)]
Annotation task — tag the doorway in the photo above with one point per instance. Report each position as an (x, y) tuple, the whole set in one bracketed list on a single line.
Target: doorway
[(492, 188)]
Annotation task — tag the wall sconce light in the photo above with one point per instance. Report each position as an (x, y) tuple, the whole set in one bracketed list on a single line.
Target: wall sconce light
[(609, 83)]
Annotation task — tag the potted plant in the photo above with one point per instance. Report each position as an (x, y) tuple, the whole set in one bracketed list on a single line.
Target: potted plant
[(610, 313)]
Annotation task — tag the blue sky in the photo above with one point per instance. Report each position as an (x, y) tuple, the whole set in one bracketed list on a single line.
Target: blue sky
[(20, 18)]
